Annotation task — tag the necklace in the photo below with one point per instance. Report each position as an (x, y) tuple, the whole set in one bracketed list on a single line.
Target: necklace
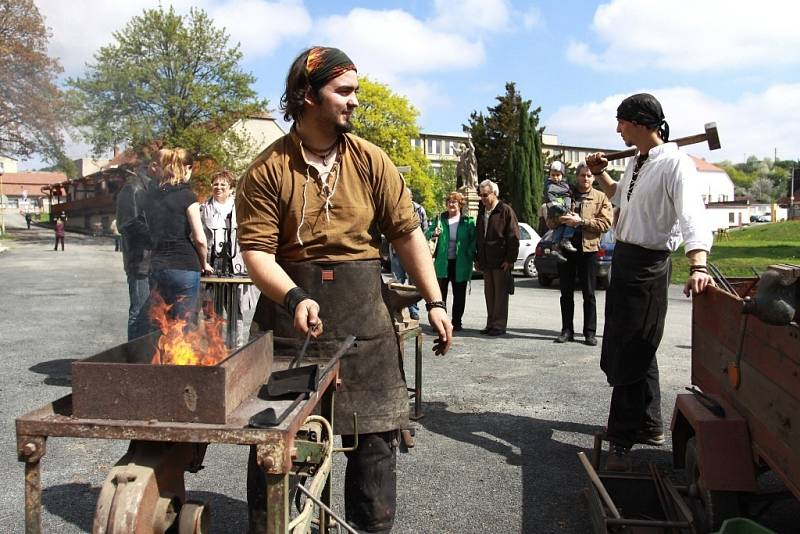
[(325, 153)]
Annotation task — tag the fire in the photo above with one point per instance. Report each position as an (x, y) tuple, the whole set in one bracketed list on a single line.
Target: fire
[(201, 345)]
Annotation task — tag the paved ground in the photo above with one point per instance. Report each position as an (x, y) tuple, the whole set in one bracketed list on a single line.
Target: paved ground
[(495, 452)]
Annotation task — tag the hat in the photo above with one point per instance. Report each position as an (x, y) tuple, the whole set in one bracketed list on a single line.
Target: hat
[(557, 166)]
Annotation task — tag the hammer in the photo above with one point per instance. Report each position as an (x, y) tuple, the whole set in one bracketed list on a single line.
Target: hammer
[(711, 135)]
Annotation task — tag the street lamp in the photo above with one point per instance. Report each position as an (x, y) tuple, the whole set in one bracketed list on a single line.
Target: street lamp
[(2, 202)]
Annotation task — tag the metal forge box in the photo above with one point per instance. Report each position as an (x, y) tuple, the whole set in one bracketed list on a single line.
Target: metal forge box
[(121, 383)]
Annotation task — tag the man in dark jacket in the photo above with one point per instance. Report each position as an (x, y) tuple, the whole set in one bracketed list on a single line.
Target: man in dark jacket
[(497, 249), (133, 228)]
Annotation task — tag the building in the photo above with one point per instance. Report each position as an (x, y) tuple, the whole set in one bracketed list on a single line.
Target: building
[(572, 154), (89, 202), (715, 184), (440, 148), (23, 189)]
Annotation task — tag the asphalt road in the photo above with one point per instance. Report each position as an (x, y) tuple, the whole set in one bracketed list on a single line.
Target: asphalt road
[(496, 451)]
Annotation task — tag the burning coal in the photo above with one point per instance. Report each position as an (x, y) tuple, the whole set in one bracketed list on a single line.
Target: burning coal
[(184, 344)]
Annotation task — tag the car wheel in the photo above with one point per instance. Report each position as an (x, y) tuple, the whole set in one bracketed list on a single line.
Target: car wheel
[(529, 268), (544, 281)]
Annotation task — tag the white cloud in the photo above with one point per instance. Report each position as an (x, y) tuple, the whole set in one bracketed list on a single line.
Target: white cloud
[(692, 36), (387, 44), (532, 18), (261, 26), (471, 15), (754, 124), (81, 27)]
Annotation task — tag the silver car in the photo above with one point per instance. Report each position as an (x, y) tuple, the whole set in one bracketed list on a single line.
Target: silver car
[(528, 239)]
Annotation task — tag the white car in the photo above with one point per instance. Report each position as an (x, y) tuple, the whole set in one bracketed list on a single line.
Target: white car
[(528, 239)]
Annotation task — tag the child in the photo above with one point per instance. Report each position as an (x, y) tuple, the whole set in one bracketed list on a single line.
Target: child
[(558, 197)]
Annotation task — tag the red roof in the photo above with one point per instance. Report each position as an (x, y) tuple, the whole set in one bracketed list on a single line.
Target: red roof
[(703, 166), (14, 183)]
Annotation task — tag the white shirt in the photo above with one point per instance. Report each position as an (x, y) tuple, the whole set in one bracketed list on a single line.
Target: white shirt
[(666, 206)]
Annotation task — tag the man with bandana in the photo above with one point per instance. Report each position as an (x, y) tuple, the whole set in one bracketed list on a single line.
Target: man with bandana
[(311, 209), (660, 207)]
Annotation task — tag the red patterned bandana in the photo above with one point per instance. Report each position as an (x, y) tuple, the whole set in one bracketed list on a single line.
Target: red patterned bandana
[(324, 64)]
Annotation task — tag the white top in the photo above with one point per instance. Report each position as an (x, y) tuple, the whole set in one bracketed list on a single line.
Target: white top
[(451, 246), (666, 206)]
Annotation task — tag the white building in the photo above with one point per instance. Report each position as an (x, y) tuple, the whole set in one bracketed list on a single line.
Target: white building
[(715, 184), (440, 147)]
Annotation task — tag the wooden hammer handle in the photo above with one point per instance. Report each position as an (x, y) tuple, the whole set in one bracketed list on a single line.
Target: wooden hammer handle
[(599, 485), (682, 141)]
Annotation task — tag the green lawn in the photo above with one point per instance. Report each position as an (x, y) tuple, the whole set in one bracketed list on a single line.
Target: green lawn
[(750, 247)]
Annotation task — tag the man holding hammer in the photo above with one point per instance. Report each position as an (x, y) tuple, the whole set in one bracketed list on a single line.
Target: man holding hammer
[(660, 207)]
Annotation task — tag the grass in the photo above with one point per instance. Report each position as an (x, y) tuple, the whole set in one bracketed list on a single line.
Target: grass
[(752, 247)]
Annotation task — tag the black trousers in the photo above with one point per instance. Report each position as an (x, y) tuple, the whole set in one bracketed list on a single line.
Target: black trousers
[(635, 407), (459, 292), (370, 484), (59, 239), (584, 264)]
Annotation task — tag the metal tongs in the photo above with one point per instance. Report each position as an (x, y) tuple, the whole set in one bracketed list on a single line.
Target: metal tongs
[(301, 380)]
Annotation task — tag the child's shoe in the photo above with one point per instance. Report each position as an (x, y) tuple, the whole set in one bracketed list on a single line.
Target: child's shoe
[(568, 246)]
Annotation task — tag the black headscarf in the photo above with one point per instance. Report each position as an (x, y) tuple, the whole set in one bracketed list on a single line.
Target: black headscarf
[(644, 109), (324, 64)]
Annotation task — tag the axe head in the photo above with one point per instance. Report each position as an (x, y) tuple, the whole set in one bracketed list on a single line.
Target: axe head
[(712, 135)]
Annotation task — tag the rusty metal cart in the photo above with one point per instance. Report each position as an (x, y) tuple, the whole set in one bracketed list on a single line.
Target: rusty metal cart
[(145, 491), (745, 419)]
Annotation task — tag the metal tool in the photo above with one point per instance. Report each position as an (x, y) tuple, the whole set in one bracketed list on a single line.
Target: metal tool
[(330, 512), (712, 405), (601, 489), (720, 279), (711, 135)]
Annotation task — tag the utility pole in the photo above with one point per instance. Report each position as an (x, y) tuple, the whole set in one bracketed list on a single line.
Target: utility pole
[(2, 202)]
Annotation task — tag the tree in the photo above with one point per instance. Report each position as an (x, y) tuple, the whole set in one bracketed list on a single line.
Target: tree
[(508, 147), (494, 134), (30, 102), (171, 79), (389, 121), (525, 176)]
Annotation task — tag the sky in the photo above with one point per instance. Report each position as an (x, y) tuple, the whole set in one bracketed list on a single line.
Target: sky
[(732, 62)]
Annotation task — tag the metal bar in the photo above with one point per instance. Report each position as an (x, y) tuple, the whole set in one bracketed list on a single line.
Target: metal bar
[(653, 523), (330, 512), (277, 503), (418, 375), (33, 498)]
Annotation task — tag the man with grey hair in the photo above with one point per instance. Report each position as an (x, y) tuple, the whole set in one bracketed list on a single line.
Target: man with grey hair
[(497, 248)]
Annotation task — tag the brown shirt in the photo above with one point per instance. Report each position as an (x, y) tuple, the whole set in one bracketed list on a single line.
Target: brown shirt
[(280, 190)]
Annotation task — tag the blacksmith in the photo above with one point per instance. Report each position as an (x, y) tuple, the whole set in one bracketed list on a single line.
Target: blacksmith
[(660, 207), (311, 210)]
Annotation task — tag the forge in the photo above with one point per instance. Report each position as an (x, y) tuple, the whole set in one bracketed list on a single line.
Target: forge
[(121, 383)]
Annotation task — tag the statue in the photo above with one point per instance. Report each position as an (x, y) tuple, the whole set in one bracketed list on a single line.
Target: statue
[(467, 168)]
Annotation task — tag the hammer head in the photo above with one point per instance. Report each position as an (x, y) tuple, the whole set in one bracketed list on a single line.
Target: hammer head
[(712, 135)]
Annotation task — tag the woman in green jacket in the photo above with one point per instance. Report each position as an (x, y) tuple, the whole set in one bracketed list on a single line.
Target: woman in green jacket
[(455, 250)]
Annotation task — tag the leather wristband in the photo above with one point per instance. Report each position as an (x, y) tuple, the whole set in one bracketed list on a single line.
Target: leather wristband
[(435, 304), (698, 269), (294, 297)]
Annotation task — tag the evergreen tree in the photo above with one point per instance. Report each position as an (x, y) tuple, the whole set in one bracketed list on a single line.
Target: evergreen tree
[(524, 178)]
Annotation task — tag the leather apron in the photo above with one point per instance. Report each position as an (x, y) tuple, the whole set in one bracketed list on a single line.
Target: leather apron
[(352, 300)]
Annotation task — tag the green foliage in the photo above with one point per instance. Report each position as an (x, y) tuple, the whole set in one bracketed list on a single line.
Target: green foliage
[(747, 248), (524, 178), (167, 78), (30, 103), (508, 147), (494, 134), (389, 121), (445, 182), (760, 180)]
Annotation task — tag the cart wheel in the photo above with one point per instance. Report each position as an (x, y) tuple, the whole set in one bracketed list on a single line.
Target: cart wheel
[(709, 507), (195, 518)]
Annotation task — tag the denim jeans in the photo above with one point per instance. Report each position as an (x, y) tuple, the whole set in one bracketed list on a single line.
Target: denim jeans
[(177, 287), (563, 232), (138, 291), (400, 274)]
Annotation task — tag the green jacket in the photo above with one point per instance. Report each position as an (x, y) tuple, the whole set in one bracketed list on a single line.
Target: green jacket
[(465, 246)]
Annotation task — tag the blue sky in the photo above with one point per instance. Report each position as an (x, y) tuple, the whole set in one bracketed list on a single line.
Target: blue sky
[(734, 62)]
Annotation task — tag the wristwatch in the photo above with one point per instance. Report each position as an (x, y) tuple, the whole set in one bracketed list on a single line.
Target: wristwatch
[(435, 304)]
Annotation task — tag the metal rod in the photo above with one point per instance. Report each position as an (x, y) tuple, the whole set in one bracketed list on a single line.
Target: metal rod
[(330, 512), (599, 485), (647, 523)]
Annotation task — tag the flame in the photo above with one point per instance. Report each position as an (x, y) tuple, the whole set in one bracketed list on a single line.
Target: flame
[(201, 345)]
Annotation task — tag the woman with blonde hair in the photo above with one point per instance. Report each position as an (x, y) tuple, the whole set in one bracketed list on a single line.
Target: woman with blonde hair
[(179, 246), (455, 250)]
